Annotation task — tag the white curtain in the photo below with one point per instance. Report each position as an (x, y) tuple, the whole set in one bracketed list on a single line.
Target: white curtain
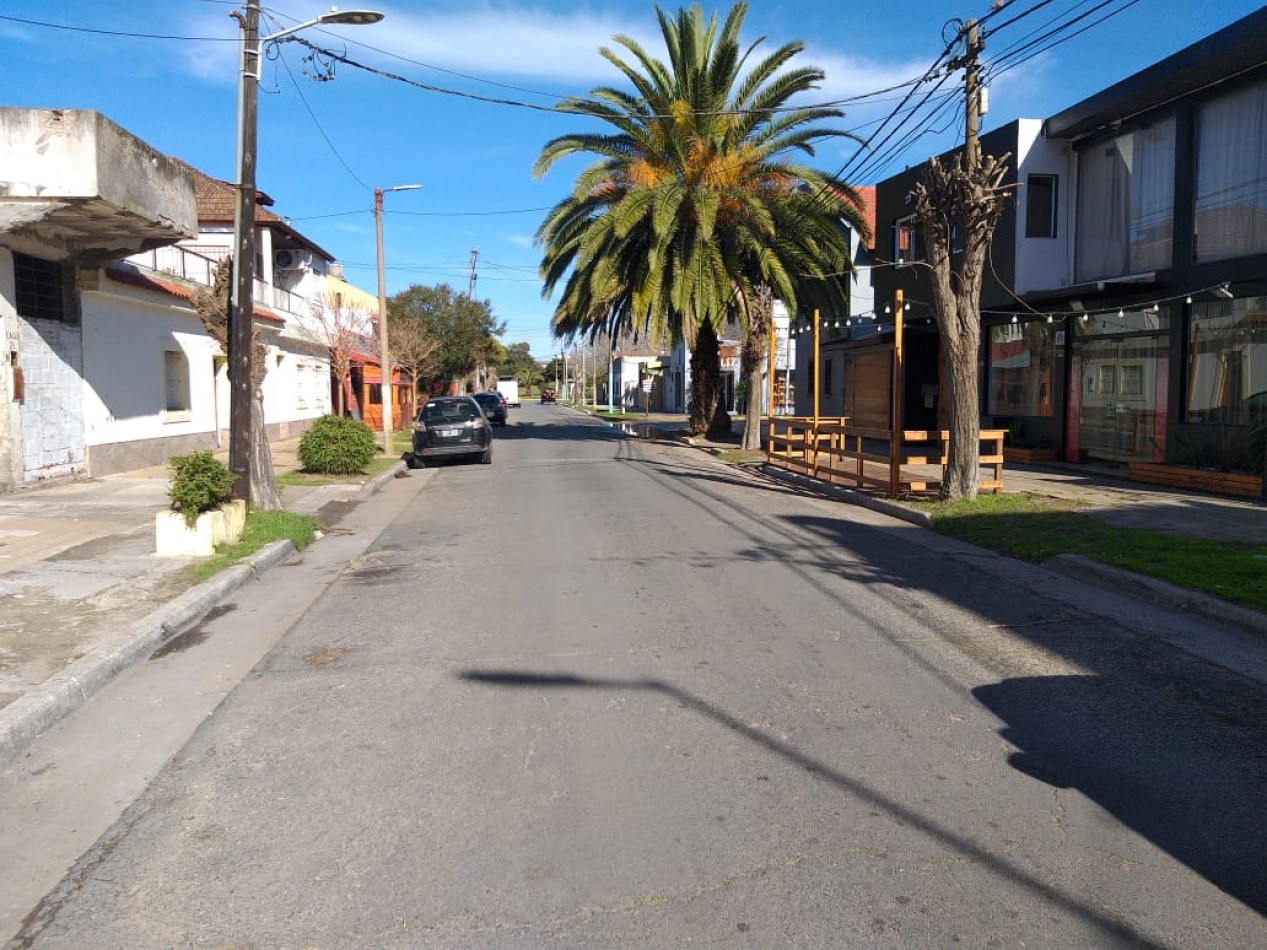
[(1231, 200), (1126, 203)]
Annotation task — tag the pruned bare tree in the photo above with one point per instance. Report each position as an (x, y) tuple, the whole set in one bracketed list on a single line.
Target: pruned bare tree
[(338, 325), (974, 200), (212, 306), (411, 345)]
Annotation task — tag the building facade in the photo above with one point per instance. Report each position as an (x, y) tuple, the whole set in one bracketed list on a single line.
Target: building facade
[(1125, 302)]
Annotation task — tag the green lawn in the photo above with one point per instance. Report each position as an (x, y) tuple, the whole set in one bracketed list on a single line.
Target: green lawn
[(378, 464), (1036, 527), (262, 527)]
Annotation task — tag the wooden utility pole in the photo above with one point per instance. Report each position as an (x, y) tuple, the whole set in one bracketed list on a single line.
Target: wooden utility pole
[(972, 94), (895, 436)]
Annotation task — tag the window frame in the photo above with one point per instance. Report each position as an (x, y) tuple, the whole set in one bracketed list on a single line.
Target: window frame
[(1052, 218), (39, 288), (181, 409)]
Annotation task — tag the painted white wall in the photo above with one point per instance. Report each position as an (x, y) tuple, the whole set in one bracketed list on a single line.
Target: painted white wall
[(125, 336), (10, 422), (1044, 263)]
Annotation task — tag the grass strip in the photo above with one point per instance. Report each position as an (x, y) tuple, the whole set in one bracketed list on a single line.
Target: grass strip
[(1036, 527), (262, 527)]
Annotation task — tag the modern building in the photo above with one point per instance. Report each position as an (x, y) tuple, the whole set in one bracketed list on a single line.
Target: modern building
[(1125, 300)]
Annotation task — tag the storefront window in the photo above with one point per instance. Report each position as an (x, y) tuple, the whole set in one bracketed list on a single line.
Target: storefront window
[(1232, 175), (1227, 362), (1021, 357)]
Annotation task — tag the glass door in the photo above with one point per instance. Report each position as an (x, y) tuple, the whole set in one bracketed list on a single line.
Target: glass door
[(1121, 387)]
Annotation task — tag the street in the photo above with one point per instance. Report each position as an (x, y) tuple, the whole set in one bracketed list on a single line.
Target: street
[(607, 692)]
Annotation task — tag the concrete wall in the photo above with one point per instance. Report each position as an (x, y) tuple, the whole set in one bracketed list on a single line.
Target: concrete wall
[(1044, 263), (10, 421), (51, 414)]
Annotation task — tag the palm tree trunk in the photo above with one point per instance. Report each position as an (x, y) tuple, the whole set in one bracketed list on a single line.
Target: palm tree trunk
[(707, 416)]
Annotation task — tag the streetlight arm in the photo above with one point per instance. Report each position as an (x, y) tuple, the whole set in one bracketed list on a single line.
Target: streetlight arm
[(334, 16)]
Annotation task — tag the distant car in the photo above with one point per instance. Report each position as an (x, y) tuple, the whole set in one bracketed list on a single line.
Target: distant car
[(494, 406), (451, 426), (548, 394)]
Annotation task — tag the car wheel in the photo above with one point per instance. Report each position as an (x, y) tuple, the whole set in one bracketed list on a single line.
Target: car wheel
[(412, 461), (487, 457)]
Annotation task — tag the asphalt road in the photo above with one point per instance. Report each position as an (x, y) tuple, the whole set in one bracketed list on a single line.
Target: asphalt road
[(609, 693)]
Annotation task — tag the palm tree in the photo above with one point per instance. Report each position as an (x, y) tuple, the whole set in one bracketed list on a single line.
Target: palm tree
[(692, 206)]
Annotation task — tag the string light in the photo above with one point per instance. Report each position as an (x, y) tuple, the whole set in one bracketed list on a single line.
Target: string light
[(1014, 320)]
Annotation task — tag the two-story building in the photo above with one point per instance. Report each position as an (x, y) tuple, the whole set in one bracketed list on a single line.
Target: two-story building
[(1125, 300), (103, 242)]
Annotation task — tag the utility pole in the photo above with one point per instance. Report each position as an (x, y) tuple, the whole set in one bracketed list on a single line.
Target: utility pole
[(895, 437), (471, 276), (972, 92)]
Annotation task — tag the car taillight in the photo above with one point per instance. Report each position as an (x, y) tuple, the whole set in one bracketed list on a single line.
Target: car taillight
[(477, 423), (420, 426)]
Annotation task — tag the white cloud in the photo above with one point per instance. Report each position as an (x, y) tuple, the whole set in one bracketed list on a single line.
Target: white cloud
[(519, 240)]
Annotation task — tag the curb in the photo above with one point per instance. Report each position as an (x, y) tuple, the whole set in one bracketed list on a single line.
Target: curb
[(28, 717), (1160, 592), (890, 508)]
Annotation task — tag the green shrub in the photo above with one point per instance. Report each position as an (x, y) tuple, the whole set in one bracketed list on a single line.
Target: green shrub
[(199, 483), (336, 445)]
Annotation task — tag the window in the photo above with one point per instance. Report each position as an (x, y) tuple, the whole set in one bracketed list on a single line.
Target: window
[(1106, 378), (39, 288), (908, 242), (1227, 371), (301, 386), (1132, 379), (827, 365), (1040, 206), (1231, 190), (1021, 358), (1126, 203), (175, 386)]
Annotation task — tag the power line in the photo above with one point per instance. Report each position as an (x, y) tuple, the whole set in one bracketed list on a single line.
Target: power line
[(126, 33)]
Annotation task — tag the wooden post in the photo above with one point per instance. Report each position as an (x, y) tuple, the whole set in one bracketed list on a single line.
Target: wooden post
[(818, 368), (769, 385), (895, 436)]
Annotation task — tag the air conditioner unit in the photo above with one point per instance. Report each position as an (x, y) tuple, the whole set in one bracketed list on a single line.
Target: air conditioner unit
[(290, 259)]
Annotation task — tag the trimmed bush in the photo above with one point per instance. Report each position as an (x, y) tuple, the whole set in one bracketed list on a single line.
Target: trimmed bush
[(336, 445), (199, 483)]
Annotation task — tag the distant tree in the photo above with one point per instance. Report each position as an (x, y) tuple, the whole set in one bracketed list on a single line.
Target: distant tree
[(212, 306), (464, 329), (338, 326), (518, 364)]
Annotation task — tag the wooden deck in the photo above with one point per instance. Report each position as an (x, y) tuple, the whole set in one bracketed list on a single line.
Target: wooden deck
[(862, 458)]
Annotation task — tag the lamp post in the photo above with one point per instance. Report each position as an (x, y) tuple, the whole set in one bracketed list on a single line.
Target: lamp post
[(385, 387), (241, 311)]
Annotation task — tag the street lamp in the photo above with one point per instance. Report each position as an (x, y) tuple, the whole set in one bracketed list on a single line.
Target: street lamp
[(241, 311), (385, 388)]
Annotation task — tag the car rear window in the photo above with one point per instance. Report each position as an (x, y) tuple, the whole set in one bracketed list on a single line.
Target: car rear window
[(449, 411)]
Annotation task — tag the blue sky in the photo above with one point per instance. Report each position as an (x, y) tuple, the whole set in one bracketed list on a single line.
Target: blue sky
[(324, 146)]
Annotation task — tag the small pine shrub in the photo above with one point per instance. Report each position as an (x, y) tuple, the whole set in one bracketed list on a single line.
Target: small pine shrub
[(199, 483), (336, 445)]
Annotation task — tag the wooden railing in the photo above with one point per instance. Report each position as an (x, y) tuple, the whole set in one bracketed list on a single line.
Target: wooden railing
[(865, 458)]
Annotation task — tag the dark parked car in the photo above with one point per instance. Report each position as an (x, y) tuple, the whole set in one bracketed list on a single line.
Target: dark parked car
[(449, 426), (494, 406)]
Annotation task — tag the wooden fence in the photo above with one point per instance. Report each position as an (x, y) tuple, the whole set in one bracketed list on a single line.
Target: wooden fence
[(865, 458)]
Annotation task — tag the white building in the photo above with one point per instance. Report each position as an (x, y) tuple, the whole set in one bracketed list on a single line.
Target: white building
[(102, 242)]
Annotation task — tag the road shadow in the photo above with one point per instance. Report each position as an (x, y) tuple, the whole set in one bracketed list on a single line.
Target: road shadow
[(1113, 931), (1186, 739), (1159, 775)]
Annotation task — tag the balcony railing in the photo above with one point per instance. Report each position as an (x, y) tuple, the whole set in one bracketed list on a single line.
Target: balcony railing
[(197, 262)]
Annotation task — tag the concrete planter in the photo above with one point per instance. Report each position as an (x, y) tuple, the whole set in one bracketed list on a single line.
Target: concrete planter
[(174, 538)]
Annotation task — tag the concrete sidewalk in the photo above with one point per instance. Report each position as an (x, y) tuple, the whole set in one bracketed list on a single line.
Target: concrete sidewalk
[(84, 592)]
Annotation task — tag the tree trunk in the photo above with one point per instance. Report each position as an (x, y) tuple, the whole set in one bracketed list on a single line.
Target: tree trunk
[(963, 470), (264, 493), (707, 415), (755, 345)]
